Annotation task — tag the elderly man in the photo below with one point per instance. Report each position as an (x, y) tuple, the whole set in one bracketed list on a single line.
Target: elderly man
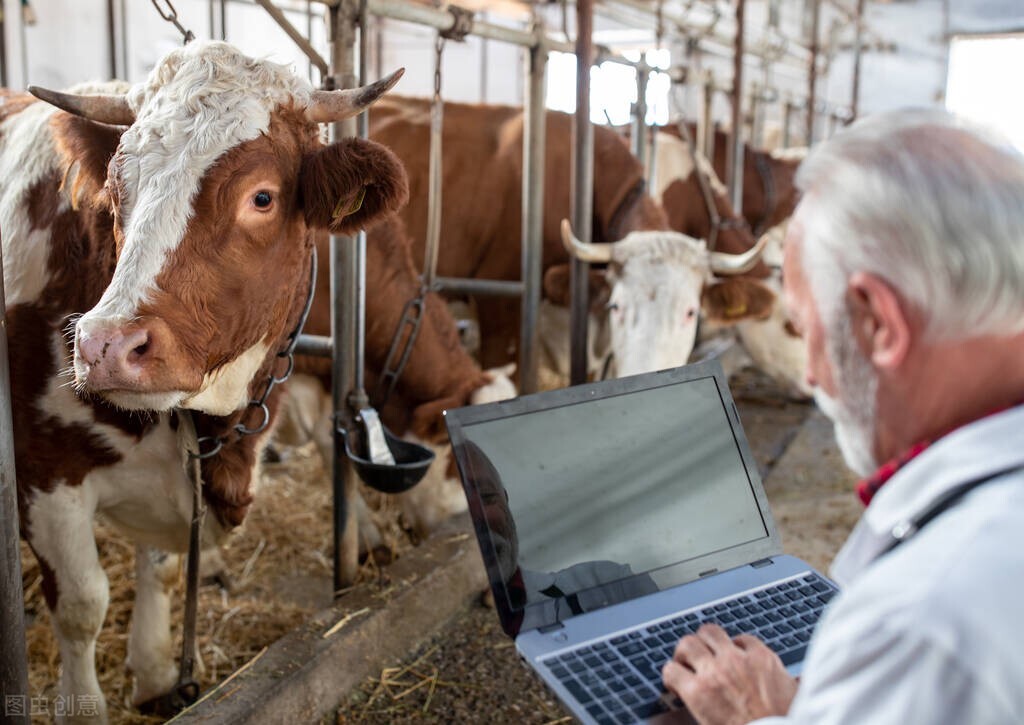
[(905, 270)]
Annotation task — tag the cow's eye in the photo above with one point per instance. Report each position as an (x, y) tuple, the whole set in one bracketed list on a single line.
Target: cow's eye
[(262, 200), (691, 313)]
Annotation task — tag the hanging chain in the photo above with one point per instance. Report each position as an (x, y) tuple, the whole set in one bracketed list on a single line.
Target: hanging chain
[(171, 16)]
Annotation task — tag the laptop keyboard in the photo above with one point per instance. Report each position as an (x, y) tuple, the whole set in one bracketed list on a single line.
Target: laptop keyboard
[(618, 679)]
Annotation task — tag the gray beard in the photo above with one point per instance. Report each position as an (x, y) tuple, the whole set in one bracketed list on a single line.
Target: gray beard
[(853, 410)]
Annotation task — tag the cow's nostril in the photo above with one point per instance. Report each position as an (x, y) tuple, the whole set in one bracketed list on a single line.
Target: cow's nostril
[(139, 351)]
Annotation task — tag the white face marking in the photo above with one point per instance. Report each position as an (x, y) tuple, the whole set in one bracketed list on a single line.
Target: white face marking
[(501, 387), (197, 104), (655, 301), (27, 155), (227, 388)]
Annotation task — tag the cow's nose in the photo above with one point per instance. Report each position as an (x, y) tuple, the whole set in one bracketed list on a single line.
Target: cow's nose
[(112, 358)]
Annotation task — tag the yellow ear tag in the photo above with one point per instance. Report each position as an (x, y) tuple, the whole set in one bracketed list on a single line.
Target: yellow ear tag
[(736, 310), (340, 213)]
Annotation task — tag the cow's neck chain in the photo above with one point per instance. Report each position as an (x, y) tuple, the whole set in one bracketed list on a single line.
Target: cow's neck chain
[(770, 197), (213, 444)]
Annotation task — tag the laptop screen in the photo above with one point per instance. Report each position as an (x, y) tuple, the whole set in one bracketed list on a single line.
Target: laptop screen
[(600, 500)]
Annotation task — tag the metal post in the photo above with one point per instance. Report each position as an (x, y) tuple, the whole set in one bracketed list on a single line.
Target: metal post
[(534, 139), (13, 657), (111, 41), (346, 307), (858, 43), (787, 123), (3, 47), (734, 157), (641, 131), (706, 128), (812, 72), (582, 192)]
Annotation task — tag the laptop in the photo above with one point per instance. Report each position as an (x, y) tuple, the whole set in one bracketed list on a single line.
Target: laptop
[(613, 518)]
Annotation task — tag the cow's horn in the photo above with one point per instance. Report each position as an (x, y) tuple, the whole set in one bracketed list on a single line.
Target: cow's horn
[(327, 106), (732, 264), (105, 108), (598, 253)]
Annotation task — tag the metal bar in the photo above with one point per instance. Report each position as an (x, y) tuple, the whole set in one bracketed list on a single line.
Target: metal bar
[(858, 43), (787, 123), (111, 42), (223, 19), (125, 67), (344, 298), (812, 75), (706, 128), (582, 193), (298, 38), (13, 656), (3, 47), (435, 188), (315, 346), (641, 131), (734, 165), (534, 139), (496, 288)]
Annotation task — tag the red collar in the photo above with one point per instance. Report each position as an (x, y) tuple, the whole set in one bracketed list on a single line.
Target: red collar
[(868, 487)]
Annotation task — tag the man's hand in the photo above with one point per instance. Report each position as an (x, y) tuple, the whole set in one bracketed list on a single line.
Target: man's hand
[(727, 681)]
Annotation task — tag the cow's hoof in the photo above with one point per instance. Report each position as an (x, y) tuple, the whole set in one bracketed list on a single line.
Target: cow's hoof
[(171, 703)]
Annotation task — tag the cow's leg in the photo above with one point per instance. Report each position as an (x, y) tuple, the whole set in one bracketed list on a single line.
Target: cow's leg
[(150, 648), (77, 593)]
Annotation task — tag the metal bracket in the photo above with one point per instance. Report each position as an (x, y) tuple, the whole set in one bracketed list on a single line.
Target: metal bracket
[(462, 24)]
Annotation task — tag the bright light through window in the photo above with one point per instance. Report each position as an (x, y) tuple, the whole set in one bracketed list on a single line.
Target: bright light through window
[(612, 88), (977, 83)]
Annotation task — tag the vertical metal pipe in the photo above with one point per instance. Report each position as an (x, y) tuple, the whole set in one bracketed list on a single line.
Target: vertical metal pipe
[(111, 41), (734, 157), (345, 265), (126, 71), (534, 139), (641, 131), (3, 47), (812, 72), (787, 124), (484, 52), (706, 128), (858, 50), (582, 192), (223, 19), (13, 657)]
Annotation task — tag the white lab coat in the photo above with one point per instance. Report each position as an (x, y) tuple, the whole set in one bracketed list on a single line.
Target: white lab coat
[(932, 632)]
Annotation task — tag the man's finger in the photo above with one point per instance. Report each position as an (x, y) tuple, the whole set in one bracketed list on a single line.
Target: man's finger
[(714, 637), (691, 650), (677, 677), (748, 641)]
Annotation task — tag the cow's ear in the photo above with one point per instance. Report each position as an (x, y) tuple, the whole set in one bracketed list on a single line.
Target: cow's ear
[(88, 147), (556, 287), (737, 298), (350, 183)]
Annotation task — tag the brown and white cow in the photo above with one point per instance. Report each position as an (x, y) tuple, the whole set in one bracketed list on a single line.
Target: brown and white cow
[(770, 341), (481, 223), (157, 252), (439, 375)]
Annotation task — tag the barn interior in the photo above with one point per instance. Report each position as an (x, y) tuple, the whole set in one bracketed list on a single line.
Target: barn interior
[(772, 75)]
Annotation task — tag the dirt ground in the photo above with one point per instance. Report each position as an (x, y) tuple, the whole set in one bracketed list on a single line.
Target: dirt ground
[(280, 569), (470, 672)]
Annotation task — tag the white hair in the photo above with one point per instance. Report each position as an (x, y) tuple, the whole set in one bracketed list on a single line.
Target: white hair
[(927, 202)]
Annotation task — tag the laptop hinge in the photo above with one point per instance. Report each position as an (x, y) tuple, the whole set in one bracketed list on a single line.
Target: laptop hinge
[(550, 627), (761, 563), (709, 572)]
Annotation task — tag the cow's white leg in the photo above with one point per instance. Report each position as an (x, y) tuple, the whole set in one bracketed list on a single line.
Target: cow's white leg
[(61, 534), (150, 648)]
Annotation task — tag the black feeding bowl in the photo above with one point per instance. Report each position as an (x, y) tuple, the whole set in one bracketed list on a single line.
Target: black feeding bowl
[(411, 462)]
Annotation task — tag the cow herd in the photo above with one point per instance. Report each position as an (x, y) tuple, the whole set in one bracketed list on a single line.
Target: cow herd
[(157, 246)]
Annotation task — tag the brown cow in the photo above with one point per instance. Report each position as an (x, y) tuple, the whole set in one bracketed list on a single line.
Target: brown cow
[(440, 374), (481, 222), (157, 252)]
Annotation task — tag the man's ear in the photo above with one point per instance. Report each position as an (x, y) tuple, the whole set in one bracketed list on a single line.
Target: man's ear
[(350, 183), (880, 319), (90, 146), (556, 287), (737, 298)]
